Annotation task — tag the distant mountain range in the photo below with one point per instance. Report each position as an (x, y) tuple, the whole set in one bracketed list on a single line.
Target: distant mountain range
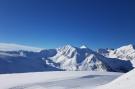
[(18, 59)]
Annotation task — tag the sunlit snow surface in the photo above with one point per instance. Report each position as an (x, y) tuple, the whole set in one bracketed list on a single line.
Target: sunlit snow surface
[(56, 80), (126, 81)]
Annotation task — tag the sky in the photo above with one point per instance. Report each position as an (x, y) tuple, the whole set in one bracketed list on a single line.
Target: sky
[(54, 23)]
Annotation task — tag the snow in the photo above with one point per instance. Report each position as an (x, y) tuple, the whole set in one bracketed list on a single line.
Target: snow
[(83, 47), (56, 80), (16, 47), (72, 58), (126, 52), (127, 81), (17, 58), (92, 63)]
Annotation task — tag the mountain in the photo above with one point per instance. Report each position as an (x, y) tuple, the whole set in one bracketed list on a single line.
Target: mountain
[(74, 58), (9, 64), (70, 57), (124, 53), (105, 52), (18, 58)]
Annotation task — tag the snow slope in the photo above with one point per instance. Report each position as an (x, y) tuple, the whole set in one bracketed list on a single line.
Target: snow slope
[(127, 81), (56, 80)]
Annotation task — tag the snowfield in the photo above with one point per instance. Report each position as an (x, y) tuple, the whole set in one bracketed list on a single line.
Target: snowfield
[(56, 80), (127, 81)]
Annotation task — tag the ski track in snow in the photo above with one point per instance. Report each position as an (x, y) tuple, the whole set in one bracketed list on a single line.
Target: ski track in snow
[(83, 82)]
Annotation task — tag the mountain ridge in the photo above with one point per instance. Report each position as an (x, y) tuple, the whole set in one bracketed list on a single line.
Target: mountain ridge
[(68, 58)]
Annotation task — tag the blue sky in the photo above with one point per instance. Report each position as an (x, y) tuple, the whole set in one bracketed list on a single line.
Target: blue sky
[(54, 23)]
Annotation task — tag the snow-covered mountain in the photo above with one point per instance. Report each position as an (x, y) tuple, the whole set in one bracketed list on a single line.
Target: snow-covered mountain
[(73, 58), (83, 58), (124, 53), (105, 52), (19, 58)]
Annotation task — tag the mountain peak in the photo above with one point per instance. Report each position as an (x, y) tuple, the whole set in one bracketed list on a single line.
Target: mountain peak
[(127, 47), (68, 46), (131, 46), (83, 47)]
